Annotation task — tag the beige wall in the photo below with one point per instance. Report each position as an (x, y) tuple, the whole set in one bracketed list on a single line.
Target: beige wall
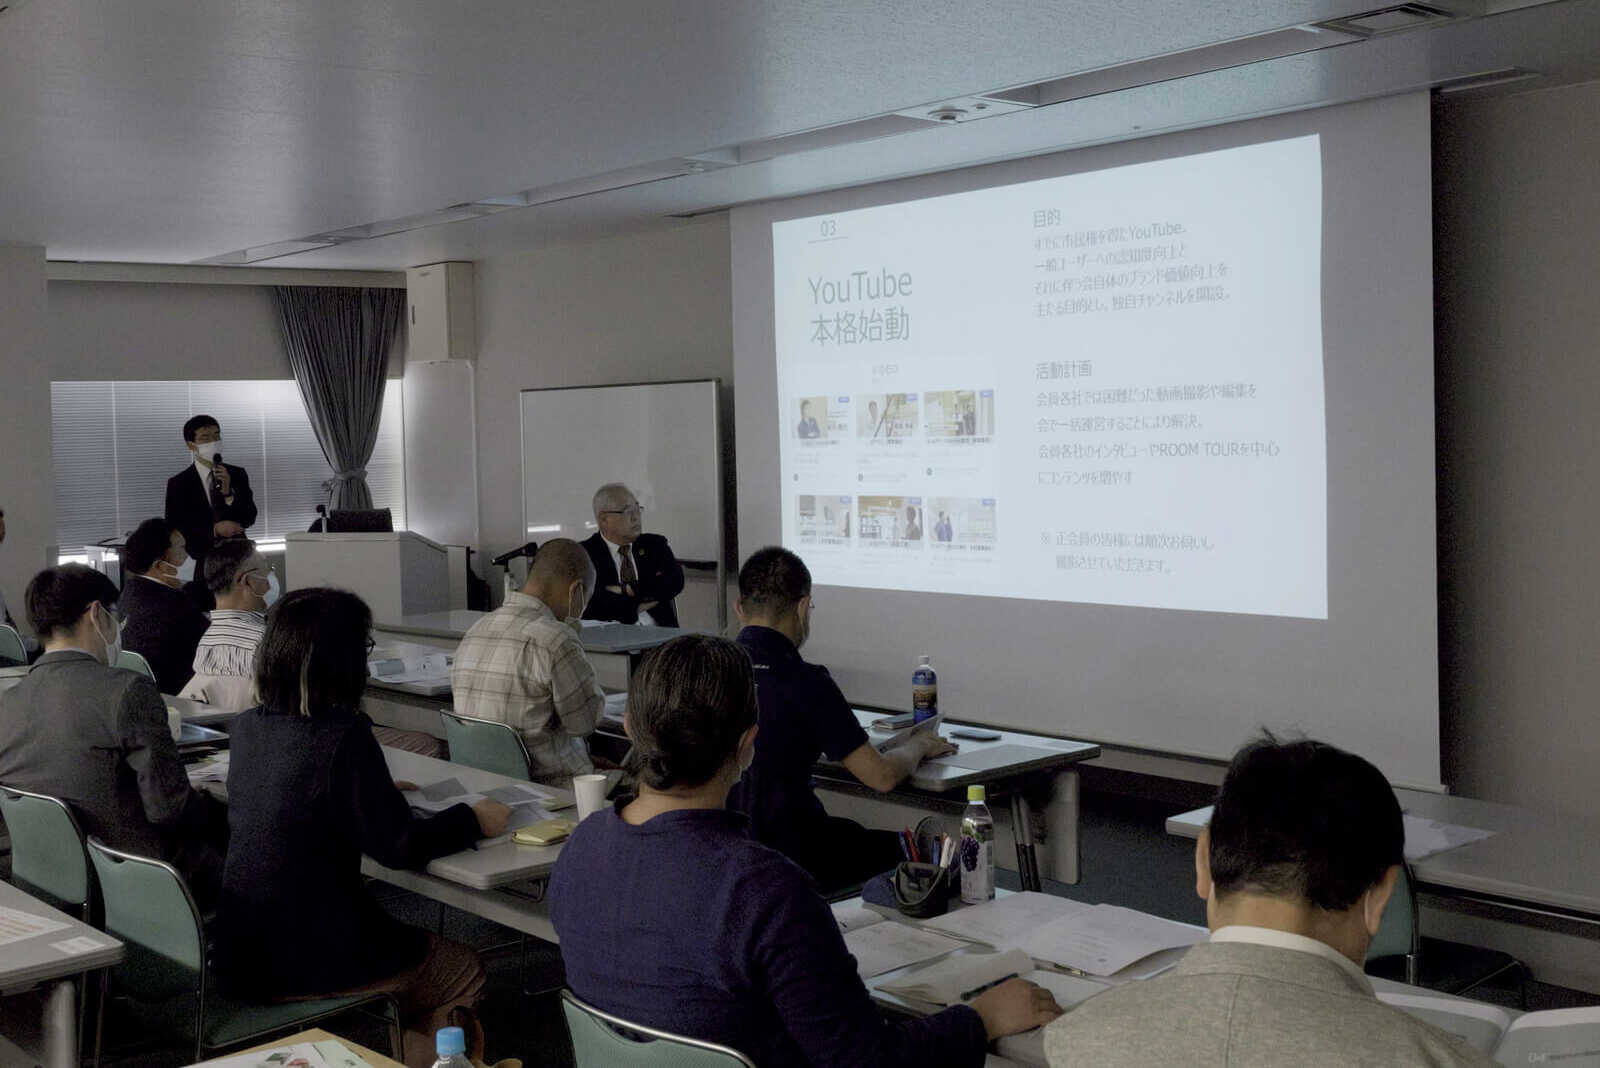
[(27, 488), (110, 331), (649, 307), (1517, 246)]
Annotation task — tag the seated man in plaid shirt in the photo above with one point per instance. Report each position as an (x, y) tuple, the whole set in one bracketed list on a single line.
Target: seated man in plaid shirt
[(523, 664)]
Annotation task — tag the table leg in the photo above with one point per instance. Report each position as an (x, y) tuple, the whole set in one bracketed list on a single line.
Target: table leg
[(1022, 831), (1062, 816), (61, 1026)]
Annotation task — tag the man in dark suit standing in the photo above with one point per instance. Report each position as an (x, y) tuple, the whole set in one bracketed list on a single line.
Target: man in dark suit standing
[(636, 574), (208, 500)]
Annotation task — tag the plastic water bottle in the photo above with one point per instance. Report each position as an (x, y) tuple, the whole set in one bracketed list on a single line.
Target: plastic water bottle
[(450, 1043), (924, 691), (977, 848)]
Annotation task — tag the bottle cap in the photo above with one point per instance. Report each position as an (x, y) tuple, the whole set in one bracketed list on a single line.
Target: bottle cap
[(922, 660), (977, 793), (450, 1041)]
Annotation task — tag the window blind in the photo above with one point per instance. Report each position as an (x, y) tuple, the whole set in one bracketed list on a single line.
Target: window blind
[(117, 443)]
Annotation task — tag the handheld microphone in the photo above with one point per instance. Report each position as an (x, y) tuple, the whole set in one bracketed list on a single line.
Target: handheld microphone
[(216, 464)]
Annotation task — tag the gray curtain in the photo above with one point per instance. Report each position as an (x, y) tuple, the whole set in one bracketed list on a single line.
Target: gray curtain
[(338, 340)]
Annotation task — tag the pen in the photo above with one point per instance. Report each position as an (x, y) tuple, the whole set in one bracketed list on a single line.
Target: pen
[(975, 991), (904, 851), (911, 844)]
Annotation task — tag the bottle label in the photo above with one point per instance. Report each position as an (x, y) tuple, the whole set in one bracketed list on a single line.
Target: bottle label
[(924, 698), (977, 870)]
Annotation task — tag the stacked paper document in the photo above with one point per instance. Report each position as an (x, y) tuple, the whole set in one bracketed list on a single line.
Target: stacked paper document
[(1102, 940), (328, 1053), (430, 667), (529, 804)]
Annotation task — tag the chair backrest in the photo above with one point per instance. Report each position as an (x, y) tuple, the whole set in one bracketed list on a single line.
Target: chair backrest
[(486, 745), (600, 1040), (11, 646), (149, 907), (48, 858), (129, 660), (1398, 935)]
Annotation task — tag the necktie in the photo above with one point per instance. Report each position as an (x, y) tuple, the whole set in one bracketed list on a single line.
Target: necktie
[(215, 495), (626, 572)]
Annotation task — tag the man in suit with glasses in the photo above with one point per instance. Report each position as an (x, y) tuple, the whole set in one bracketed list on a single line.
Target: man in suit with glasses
[(637, 575)]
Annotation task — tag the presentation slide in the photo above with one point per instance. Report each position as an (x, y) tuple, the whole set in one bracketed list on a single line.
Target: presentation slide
[(1103, 388)]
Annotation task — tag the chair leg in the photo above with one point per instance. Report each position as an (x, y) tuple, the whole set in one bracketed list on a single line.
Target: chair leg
[(100, 1015), (396, 1033)]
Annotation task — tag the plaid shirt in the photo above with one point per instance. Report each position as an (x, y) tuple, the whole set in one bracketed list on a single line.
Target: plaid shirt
[(521, 665)]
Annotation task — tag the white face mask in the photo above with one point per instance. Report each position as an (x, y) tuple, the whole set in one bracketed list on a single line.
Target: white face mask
[(207, 450), (113, 644), (575, 605)]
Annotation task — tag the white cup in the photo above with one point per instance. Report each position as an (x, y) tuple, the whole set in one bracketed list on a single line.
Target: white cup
[(591, 793), (175, 722)]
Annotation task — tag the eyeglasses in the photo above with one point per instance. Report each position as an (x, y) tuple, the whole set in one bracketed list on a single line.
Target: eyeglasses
[(371, 645), (633, 511)]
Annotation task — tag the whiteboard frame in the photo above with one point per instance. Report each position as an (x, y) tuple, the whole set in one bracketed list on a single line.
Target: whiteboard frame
[(716, 469)]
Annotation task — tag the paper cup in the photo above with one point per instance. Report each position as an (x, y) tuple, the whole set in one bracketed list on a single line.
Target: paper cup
[(591, 793)]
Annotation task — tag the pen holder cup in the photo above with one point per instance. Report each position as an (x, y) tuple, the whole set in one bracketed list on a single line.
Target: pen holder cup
[(921, 890)]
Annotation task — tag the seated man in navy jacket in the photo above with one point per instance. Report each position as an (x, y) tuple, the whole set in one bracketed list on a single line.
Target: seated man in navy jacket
[(160, 621), (636, 573), (803, 713)]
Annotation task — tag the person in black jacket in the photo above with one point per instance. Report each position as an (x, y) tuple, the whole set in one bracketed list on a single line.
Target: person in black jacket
[(637, 574), (208, 500), (309, 793), (160, 620)]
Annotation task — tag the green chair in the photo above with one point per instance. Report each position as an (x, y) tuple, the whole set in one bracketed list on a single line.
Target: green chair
[(486, 745), (148, 906), (11, 647), (600, 1040), (131, 661), (49, 861), (48, 858), (1400, 952)]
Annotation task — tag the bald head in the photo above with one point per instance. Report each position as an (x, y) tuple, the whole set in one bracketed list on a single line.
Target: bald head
[(562, 576)]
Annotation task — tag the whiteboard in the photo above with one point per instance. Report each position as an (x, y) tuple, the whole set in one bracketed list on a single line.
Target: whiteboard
[(661, 439)]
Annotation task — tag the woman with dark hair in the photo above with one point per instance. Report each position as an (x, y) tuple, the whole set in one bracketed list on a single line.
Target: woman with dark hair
[(309, 793), (672, 917)]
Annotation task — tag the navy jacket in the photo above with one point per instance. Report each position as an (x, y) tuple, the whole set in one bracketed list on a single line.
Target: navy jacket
[(306, 798), (660, 580), (188, 508), (164, 626), (802, 714), (687, 925)]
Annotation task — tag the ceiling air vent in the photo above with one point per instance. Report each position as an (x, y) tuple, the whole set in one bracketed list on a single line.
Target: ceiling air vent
[(1389, 20)]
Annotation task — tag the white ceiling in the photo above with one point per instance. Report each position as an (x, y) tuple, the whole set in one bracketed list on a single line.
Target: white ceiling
[(166, 131)]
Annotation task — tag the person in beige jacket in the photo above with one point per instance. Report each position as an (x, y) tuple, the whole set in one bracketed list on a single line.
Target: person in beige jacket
[(1300, 859)]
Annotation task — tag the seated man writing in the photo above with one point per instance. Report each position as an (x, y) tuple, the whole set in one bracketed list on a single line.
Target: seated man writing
[(803, 714), (97, 736), (523, 664), (1300, 859)]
